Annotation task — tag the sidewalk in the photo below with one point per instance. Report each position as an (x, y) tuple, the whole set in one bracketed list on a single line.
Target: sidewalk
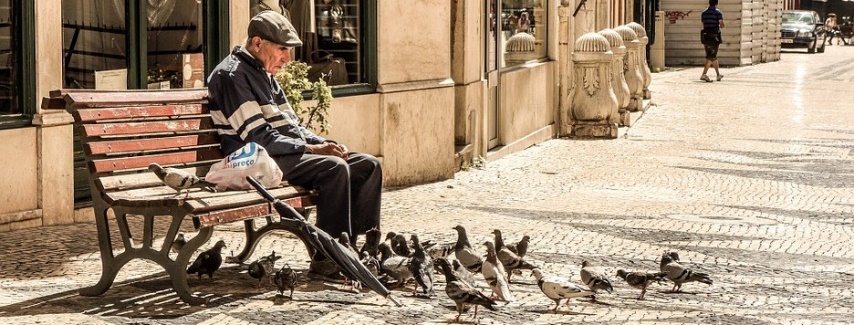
[(752, 187)]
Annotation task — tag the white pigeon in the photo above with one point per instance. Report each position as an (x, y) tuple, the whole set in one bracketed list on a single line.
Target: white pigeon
[(178, 179), (494, 275), (557, 288)]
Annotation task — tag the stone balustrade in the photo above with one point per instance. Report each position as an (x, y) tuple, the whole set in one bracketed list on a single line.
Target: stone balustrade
[(594, 111), (642, 60), (631, 68)]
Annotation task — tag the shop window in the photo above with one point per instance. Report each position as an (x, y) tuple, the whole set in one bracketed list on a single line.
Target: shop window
[(114, 44), (523, 31), (333, 34), (16, 63)]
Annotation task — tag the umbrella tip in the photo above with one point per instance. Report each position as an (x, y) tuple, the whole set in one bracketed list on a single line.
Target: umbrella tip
[(394, 300)]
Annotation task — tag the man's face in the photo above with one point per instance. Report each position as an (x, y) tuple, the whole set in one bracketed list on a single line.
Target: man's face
[(272, 56)]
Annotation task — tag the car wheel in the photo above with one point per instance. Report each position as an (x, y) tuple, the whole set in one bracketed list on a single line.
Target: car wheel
[(811, 48)]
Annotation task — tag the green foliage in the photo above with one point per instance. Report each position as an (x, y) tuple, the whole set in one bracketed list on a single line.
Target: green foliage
[(292, 79)]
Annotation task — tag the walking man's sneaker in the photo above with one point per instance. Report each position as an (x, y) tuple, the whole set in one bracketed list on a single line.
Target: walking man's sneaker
[(705, 78), (720, 76)]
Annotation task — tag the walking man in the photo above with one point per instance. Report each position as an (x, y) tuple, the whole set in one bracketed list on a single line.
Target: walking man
[(713, 21)]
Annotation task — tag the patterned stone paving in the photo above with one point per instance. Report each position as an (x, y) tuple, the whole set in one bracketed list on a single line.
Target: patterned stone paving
[(749, 179)]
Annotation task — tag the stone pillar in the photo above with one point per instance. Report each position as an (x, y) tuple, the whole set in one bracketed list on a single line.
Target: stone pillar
[(618, 80), (656, 51), (630, 67), (642, 62), (594, 106)]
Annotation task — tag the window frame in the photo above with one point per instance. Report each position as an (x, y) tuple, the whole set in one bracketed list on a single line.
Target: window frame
[(23, 21), (368, 37)]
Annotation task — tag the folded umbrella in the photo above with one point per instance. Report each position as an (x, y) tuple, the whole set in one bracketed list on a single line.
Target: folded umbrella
[(327, 245)]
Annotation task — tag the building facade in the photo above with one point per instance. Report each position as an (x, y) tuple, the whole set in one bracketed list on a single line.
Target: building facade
[(428, 85)]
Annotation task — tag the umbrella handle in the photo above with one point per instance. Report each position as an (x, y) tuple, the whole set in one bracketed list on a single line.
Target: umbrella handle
[(284, 210), (260, 189)]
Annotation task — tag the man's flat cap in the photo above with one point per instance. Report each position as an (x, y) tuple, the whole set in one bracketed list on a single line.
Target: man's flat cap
[(274, 27)]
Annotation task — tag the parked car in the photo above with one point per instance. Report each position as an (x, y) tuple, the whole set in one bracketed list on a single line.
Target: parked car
[(803, 29)]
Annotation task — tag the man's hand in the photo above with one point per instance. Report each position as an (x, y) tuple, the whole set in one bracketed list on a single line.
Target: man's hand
[(329, 149)]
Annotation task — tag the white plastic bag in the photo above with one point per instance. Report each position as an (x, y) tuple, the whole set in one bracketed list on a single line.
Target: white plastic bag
[(250, 160)]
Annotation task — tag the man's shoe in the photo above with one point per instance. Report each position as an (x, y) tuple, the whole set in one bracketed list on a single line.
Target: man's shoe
[(325, 270), (720, 76), (705, 78)]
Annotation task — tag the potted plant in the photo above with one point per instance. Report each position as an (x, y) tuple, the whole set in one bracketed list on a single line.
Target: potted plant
[(294, 81)]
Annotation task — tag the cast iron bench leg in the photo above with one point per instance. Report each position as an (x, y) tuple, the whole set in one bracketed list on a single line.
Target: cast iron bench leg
[(254, 235), (109, 265)]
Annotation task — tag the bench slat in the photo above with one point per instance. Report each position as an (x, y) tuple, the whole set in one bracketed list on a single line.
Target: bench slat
[(140, 180), (199, 201), (150, 144), (109, 113), (142, 97), (214, 218), (141, 162), (144, 128)]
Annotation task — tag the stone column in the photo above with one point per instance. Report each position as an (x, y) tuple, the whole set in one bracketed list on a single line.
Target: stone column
[(618, 80), (630, 67), (642, 62), (594, 106)]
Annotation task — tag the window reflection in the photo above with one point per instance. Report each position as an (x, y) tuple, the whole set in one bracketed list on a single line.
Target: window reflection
[(8, 66), (523, 31)]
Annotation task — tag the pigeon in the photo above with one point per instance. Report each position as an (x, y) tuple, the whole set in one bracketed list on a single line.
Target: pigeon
[(461, 292), (421, 266), (393, 265), (286, 279), (179, 180), (344, 240), (510, 260), (372, 241), (641, 280), (463, 251), (556, 288), (263, 267), (437, 250), (680, 274), (521, 248), (494, 275), (371, 263), (399, 246), (594, 279), (178, 243), (208, 261), (461, 271)]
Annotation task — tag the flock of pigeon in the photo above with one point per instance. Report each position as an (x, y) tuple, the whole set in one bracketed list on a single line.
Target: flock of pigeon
[(396, 261)]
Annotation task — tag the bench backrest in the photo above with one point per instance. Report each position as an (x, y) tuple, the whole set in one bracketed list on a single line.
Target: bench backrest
[(122, 132)]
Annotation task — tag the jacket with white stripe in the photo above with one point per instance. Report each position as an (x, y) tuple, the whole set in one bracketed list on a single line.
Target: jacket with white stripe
[(246, 105)]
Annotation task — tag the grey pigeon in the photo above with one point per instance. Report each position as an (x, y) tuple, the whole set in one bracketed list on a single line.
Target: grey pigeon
[(510, 260), (461, 272), (397, 267), (399, 246), (263, 267), (680, 274), (178, 243), (521, 248), (286, 279), (641, 280), (372, 242), (208, 261), (344, 240), (465, 253), (179, 180), (371, 263), (494, 274), (461, 292), (594, 279), (437, 250), (421, 266), (557, 288)]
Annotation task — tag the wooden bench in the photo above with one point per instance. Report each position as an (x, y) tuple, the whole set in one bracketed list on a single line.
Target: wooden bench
[(122, 132)]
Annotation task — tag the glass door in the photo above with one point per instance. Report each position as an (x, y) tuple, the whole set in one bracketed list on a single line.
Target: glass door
[(491, 66)]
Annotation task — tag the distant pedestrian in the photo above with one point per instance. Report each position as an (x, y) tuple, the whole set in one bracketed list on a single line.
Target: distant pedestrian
[(710, 36), (832, 28)]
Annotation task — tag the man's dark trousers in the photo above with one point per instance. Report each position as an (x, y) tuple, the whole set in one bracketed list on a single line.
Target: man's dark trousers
[(349, 190)]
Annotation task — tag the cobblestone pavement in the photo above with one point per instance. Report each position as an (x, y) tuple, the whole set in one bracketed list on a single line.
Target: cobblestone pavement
[(749, 179)]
